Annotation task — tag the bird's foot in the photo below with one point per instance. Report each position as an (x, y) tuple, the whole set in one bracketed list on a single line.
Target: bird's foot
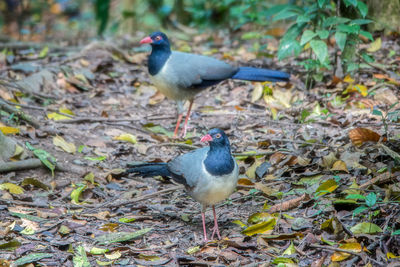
[(183, 132), (215, 230)]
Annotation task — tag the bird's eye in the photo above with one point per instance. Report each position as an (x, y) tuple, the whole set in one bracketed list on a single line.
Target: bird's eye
[(158, 38), (218, 135)]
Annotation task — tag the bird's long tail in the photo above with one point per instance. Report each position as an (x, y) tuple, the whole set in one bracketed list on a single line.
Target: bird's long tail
[(150, 169), (260, 75)]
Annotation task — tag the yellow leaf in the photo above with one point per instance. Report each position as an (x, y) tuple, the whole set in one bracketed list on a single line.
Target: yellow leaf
[(67, 147), (339, 165), (238, 222), (66, 111), (339, 256), (348, 79), (113, 256), (390, 255), (9, 130), (375, 45), (327, 187), (274, 113), (75, 194), (362, 89), (127, 137), (193, 250), (56, 116), (257, 92), (12, 188), (260, 228), (290, 250)]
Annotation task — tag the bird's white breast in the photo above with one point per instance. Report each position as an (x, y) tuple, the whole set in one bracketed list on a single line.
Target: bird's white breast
[(168, 83), (213, 189)]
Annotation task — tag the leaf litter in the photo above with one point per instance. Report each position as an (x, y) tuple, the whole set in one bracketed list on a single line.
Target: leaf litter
[(319, 168)]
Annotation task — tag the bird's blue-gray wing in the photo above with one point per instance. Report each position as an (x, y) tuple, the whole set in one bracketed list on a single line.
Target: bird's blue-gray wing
[(197, 71), (188, 168)]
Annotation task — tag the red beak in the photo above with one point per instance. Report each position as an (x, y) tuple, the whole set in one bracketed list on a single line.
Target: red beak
[(206, 138), (146, 40)]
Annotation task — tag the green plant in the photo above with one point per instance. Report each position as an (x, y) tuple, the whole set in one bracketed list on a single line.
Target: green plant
[(314, 23), (369, 202), (390, 115)]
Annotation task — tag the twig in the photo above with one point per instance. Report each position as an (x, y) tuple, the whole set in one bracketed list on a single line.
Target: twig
[(25, 203), (32, 164), (19, 113), (140, 198), (174, 144), (95, 119)]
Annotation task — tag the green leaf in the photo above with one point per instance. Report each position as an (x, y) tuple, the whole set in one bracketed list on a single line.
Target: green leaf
[(27, 216), (334, 20), (288, 48), (320, 49), (350, 2), (75, 194), (303, 19), (341, 38), (359, 210), (370, 199), (10, 245), (80, 259), (367, 35), (361, 21), (45, 157), (321, 3), (285, 14), (323, 34), (326, 187), (363, 8), (377, 112), (32, 257), (44, 52), (355, 196), (120, 236), (260, 228), (307, 36), (354, 28), (366, 228), (397, 232)]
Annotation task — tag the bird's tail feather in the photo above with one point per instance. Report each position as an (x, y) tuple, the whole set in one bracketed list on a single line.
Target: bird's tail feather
[(150, 169), (260, 75)]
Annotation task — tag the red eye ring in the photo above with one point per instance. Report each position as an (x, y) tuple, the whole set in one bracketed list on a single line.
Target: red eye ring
[(218, 135)]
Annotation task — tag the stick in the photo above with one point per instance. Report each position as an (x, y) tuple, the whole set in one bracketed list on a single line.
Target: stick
[(140, 198), (20, 114)]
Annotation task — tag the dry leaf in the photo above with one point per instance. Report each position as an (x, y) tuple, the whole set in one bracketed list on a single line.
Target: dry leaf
[(361, 135), (289, 204)]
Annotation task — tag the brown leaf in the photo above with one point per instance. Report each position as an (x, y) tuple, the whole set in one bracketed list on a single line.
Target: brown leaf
[(276, 158), (289, 204), (361, 135)]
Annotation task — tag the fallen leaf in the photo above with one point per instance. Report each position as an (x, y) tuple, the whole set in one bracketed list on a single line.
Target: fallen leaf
[(127, 137), (375, 45), (358, 136), (12, 188), (260, 228), (289, 204), (67, 147)]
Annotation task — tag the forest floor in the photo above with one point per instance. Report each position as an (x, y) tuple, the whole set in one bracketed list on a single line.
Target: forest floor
[(319, 167)]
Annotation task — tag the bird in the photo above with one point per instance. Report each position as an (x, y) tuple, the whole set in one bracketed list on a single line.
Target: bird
[(209, 174), (180, 76)]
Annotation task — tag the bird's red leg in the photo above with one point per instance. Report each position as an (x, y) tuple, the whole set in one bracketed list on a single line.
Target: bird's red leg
[(184, 129), (203, 217), (177, 125), (215, 229)]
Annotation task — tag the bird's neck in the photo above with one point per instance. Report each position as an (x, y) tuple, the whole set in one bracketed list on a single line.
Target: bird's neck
[(159, 55), (219, 160)]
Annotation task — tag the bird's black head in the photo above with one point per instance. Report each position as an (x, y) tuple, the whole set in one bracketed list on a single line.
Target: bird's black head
[(156, 39), (216, 138)]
